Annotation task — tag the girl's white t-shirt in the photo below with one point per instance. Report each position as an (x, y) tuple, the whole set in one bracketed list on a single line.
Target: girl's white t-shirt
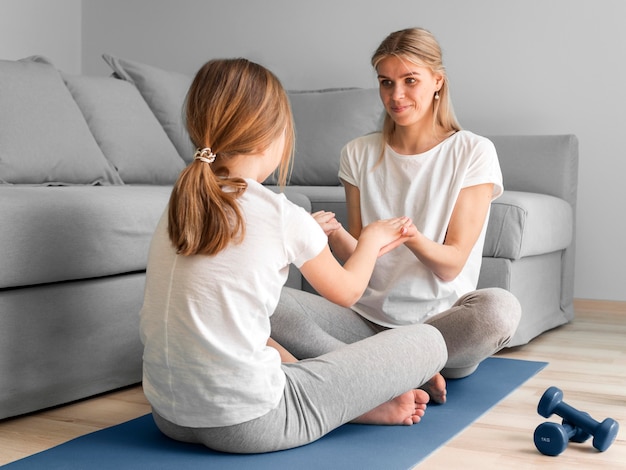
[(424, 187), (205, 319)]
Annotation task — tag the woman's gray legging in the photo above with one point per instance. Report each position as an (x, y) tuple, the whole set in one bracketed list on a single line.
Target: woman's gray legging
[(479, 324), (324, 392)]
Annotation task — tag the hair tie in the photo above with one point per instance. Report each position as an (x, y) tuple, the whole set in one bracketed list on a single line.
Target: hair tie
[(205, 155)]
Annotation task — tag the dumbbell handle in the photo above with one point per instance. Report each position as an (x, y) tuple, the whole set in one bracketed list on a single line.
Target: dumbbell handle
[(552, 403), (570, 414)]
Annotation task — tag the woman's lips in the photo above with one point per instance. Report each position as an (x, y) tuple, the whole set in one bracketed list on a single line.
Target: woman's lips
[(399, 109)]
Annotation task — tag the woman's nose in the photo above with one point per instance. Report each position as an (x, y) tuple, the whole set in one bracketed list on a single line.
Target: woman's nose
[(398, 92)]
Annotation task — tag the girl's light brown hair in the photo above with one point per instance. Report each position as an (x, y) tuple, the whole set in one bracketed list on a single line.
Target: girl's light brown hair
[(419, 46), (236, 108)]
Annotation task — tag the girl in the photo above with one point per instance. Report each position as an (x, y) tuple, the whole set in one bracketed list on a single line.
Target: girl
[(217, 262), (421, 164)]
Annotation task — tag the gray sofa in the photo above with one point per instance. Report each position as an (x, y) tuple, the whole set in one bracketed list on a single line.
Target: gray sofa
[(86, 168)]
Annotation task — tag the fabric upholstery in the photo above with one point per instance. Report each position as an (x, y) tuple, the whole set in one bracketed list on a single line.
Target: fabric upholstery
[(545, 164), (319, 139), (527, 224), (43, 136), (66, 341), (126, 130), (165, 93), (66, 233), (536, 282)]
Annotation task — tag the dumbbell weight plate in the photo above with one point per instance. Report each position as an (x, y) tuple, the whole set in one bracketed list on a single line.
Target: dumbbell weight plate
[(551, 438)]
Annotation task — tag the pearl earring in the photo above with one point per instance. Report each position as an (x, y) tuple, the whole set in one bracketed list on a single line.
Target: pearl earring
[(437, 95)]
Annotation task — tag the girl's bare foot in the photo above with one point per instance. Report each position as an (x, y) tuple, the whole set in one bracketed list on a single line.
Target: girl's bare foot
[(406, 409), (436, 388)]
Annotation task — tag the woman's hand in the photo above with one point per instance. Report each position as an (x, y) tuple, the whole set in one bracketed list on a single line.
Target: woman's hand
[(447, 259), (389, 232)]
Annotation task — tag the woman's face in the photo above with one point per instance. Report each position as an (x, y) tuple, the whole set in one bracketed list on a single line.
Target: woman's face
[(407, 91)]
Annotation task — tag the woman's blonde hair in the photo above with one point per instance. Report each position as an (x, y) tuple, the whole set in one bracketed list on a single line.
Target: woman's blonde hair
[(419, 46), (236, 108)]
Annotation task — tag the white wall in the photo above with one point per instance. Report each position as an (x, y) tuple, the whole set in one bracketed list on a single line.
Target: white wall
[(42, 27), (516, 66)]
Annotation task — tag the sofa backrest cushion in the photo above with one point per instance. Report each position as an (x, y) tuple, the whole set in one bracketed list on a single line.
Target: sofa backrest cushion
[(126, 130), (325, 121), (165, 94), (545, 164), (44, 138)]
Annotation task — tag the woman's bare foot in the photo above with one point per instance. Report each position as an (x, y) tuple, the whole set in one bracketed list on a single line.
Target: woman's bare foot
[(436, 389), (406, 409)]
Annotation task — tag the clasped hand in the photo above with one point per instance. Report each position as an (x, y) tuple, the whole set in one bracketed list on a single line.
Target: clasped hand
[(389, 232)]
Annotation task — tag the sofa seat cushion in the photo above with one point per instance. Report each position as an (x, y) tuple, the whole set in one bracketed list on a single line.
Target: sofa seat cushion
[(527, 224), (75, 232)]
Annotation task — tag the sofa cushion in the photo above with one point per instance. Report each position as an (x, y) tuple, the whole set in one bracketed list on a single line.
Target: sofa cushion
[(127, 132), (76, 232), (44, 138), (527, 224), (319, 139), (165, 93)]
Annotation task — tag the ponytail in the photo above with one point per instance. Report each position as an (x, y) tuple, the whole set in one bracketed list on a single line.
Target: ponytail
[(204, 216), (237, 108)]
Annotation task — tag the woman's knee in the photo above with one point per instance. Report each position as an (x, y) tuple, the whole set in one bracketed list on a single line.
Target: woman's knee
[(497, 307)]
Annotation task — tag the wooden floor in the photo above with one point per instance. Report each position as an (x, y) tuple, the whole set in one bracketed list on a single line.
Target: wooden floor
[(587, 360)]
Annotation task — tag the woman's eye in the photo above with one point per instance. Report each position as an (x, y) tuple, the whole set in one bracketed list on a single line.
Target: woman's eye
[(410, 81), (385, 83)]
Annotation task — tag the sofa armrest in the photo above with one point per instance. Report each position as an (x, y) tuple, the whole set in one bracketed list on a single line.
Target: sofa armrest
[(527, 224)]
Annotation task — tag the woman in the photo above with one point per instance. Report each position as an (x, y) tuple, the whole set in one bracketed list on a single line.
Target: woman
[(422, 164)]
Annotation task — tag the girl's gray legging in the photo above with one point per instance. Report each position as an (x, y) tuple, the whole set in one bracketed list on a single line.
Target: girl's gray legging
[(349, 365), (324, 392)]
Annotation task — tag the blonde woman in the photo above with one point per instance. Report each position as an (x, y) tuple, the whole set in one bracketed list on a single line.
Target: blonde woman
[(444, 178)]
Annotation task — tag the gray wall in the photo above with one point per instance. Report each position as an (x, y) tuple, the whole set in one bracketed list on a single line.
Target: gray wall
[(516, 66), (42, 27)]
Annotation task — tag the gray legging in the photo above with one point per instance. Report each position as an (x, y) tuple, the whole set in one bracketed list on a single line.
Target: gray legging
[(479, 324), (324, 392), (349, 365)]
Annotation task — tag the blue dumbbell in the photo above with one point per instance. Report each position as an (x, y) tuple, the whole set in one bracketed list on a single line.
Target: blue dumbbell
[(603, 433), (552, 438)]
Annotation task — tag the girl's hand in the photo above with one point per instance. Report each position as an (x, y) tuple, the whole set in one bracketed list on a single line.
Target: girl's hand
[(327, 221)]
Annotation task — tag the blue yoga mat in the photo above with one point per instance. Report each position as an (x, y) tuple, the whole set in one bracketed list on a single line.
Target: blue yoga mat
[(138, 444)]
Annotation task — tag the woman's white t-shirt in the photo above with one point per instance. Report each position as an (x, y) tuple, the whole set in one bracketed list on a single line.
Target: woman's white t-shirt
[(205, 319), (424, 187)]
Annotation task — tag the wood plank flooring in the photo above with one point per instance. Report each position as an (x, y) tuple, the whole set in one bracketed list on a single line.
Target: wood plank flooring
[(587, 360)]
